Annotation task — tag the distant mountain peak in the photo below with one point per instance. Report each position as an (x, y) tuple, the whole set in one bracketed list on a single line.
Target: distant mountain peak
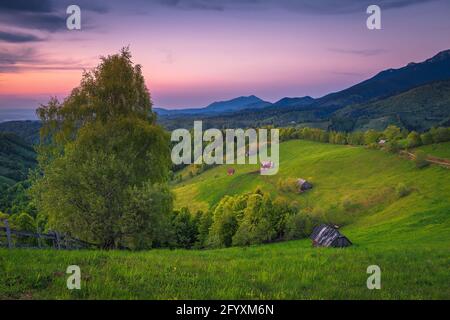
[(443, 55), (287, 102)]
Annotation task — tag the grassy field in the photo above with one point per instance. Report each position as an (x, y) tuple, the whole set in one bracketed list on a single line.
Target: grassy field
[(440, 150), (408, 237)]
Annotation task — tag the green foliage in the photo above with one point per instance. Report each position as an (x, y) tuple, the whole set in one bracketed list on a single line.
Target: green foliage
[(15, 199), (145, 221), (392, 146), (252, 218), (371, 137), (392, 133), (28, 130), (205, 220), (23, 222), (421, 159), (402, 190), (16, 159), (426, 138), (257, 224), (413, 140), (440, 134), (299, 226), (224, 224), (104, 160), (185, 229), (288, 185)]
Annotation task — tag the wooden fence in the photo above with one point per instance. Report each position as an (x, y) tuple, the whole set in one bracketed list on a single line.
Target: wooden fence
[(434, 160), (11, 239)]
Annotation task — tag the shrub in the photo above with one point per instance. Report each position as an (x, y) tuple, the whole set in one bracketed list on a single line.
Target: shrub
[(224, 224), (392, 146), (413, 140), (298, 226), (185, 228), (402, 190), (288, 185), (256, 225), (426, 138), (205, 220), (421, 159)]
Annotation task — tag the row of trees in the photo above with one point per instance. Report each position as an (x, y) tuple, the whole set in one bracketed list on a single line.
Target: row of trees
[(396, 138), (240, 220)]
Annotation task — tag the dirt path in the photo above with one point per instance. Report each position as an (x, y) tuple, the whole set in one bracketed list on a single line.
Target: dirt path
[(434, 160)]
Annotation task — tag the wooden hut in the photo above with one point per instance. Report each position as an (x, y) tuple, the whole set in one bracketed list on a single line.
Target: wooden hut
[(327, 235)]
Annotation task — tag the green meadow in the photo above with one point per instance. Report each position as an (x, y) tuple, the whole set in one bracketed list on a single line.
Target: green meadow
[(406, 234), (440, 150)]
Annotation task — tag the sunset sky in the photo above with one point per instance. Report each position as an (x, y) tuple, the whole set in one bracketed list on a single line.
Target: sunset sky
[(194, 52)]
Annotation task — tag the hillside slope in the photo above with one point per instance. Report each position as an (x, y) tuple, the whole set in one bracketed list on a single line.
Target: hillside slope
[(419, 109), (352, 186), (393, 81), (16, 158), (26, 130), (408, 238)]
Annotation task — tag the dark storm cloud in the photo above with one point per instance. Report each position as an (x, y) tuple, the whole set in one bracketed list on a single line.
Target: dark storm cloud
[(26, 5), (23, 59), (305, 6), (35, 21), (15, 37), (42, 15)]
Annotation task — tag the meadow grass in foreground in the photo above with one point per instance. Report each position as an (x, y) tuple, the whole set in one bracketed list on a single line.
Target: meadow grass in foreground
[(290, 270), (407, 236)]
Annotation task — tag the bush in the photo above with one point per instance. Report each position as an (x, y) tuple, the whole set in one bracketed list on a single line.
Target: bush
[(298, 226), (402, 190), (185, 228), (421, 159), (224, 224), (413, 140), (392, 146), (288, 185), (426, 138)]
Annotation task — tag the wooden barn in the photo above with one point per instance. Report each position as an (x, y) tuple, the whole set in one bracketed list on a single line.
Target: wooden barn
[(328, 236)]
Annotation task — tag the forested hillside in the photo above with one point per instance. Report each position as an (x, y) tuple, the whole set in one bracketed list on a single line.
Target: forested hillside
[(27, 130), (16, 158)]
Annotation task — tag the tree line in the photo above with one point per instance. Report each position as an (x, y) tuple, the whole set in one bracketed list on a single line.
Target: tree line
[(394, 137)]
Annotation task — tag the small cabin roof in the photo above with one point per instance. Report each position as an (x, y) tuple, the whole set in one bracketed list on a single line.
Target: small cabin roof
[(325, 235)]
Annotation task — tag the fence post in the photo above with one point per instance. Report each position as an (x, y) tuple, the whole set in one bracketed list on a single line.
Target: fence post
[(38, 237), (58, 241), (8, 234)]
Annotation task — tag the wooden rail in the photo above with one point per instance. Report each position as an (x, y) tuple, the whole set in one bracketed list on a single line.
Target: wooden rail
[(51, 240), (434, 160)]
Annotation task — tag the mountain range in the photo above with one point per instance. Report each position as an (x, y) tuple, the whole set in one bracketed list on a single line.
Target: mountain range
[(237, 104), (415, 96)]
